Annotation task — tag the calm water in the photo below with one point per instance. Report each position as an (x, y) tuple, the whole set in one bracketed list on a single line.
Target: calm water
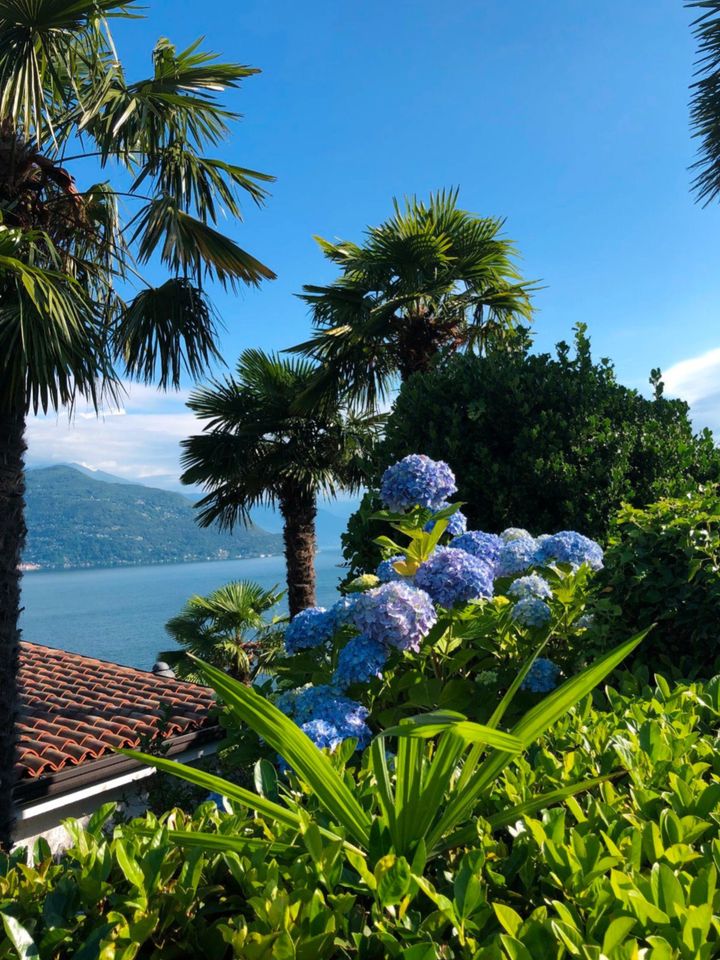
[(119, 614)]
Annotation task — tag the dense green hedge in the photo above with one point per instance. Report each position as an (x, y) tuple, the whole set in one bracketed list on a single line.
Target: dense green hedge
[(662, 566), (629, 866), (547, 443)]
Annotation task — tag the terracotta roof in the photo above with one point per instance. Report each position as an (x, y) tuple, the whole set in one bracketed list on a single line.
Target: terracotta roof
[(75, 709)]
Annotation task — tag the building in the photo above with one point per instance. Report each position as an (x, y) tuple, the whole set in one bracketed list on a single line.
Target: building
[(75, 713)]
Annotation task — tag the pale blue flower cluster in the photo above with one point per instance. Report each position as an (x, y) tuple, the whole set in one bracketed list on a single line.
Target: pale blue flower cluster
[(531, 612), (515, 533), (361, 659), (516, 556), (326, 715), (570, 547), (542, 677), (386, 571), (395, 614), (417, 481), (309, 628), (456, 522), (484, 546), (453, 576), (530, 586), (342, 611)]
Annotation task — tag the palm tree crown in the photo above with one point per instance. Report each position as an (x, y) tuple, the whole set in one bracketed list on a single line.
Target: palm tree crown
[(432, 278), (75, 311), (259, 447), (228, 629)]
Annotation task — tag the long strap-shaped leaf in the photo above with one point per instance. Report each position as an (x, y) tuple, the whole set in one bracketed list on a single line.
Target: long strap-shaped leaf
[(295, 747), (535, 722), (512, 814), (427, 725)]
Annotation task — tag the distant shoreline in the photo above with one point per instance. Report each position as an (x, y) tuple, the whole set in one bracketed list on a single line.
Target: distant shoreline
[(27, 568), (125, 565)]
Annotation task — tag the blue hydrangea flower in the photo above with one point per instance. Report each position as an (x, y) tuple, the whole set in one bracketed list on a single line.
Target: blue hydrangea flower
[(542, 677), (386, 571), (453, 576), (571, 547), (417, 481), (309, 628), (359, 661), (396, 614), (342, 611), (323, 734), (531, 612), (325, 703), (585, 621), (531, 586), (515, 533), (516, 556), (457, 522), (484, 546)]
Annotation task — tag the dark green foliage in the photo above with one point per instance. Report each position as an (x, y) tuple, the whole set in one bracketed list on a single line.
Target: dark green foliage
[(547, 443), (662, 566), (75, 521)]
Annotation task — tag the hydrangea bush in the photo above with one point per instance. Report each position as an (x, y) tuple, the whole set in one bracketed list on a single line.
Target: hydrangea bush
[(446, 621)]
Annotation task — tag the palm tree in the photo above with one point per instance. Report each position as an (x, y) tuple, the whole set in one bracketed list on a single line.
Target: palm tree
[(705, 100), (260, 448), (431, 279), (75, 311), (228, 629)]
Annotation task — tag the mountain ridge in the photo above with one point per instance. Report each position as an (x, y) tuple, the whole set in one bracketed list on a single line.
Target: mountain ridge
[(75, 521)]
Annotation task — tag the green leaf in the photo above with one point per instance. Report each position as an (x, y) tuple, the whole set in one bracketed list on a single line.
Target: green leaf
[(427, 725), (20, 938), (510, 920), (295, 747)]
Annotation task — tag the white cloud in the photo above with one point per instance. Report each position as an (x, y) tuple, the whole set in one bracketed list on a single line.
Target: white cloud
[(697, 381), (139, 440)]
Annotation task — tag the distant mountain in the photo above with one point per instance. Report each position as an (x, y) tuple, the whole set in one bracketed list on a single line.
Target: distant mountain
[(332, 520), (76, 520)]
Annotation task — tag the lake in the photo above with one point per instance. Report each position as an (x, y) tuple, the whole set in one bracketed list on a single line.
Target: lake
[(119, 614)]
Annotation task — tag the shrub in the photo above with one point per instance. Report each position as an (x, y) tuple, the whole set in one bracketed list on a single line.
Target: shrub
[(626, 870), (663, 565), (549, 443)]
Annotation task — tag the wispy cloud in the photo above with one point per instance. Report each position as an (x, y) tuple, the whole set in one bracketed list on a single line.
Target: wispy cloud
[(139, 439), (697, 380)]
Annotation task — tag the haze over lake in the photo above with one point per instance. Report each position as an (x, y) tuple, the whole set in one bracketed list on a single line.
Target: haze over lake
[(119, 614)]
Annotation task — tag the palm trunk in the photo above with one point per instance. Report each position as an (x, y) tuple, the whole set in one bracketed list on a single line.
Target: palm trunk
[(298, 509), (12, 540)]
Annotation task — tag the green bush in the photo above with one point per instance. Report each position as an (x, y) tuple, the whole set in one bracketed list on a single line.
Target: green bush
[(542, 442), (662, 566), (626, 871)]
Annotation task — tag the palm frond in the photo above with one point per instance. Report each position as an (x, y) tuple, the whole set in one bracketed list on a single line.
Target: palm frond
[(705, 101), (165, 331)]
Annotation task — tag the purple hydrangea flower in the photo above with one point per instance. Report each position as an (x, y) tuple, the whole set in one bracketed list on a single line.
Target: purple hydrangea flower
[(396, 614), (516, 556), (453, 576), (309, 628), (531, 586), (386, 571), (484, 546), (531, 612), (359, 661), (457, 522), (571, 547), (542, 677), (417, 481)]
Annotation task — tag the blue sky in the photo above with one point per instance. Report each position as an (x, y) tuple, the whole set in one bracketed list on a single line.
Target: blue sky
[(568, 119)]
